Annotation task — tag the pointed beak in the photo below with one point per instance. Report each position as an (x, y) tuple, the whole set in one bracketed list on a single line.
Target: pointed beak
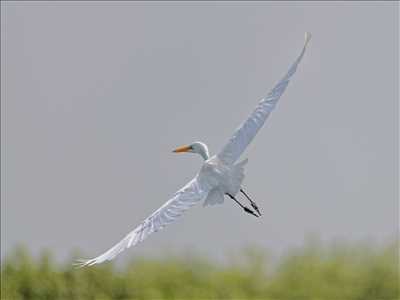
[(182, 149)]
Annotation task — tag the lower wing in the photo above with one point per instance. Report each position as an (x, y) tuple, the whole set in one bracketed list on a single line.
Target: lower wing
[(184, 199)]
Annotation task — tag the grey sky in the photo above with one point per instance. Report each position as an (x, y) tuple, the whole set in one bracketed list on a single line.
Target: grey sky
[(96, 95)]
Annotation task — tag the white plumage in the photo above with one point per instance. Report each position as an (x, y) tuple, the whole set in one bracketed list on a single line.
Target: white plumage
[(183, 199), (219, 175), (247, 131)]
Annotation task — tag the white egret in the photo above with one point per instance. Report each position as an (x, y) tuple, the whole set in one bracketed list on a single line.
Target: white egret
[(219, 175)]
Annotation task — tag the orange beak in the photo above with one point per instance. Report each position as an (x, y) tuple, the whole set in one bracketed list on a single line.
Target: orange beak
[(182, 149)]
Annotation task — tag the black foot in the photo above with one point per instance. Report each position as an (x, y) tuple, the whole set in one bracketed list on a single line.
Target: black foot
[(245, 208), (256, 208), (253, 204), (249, 211)]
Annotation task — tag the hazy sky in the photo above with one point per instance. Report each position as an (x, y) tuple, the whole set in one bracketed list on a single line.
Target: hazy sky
[(96, 95)]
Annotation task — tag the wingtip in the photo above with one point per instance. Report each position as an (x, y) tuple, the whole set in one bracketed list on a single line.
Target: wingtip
[(307, 36), (80, 263)]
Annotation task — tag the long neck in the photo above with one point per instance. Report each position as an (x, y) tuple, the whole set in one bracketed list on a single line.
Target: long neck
[(204, 153)]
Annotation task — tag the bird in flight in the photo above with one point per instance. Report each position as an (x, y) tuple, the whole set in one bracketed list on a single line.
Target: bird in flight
[(219, 176)]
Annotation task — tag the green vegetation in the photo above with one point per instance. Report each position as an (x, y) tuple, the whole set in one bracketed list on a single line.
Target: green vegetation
[(314, 272)]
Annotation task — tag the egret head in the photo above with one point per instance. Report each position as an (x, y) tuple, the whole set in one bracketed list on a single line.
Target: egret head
[(196, 147)]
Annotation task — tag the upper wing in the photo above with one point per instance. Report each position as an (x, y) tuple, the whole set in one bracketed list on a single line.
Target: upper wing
[(247, 131), (184, 199)]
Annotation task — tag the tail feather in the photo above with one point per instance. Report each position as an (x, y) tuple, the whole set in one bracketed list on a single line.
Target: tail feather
[(237, 176)]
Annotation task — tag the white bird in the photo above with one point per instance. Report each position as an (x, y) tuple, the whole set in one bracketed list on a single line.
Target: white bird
[(219, 175)]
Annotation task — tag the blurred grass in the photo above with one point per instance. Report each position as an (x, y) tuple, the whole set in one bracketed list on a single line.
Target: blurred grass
[(338, 272)]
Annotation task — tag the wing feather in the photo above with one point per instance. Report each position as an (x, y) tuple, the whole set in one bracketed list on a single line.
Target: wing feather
[(184, 199), (247, 131)]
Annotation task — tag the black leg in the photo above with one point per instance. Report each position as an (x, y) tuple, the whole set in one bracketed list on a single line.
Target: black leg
[(245, 208), (253, 204)]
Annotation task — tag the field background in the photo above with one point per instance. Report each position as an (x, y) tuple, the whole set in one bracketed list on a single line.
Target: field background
[(340, 272)]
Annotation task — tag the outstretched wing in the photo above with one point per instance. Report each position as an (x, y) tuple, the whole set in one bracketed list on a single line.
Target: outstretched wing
[(247, 131), (184, 199)]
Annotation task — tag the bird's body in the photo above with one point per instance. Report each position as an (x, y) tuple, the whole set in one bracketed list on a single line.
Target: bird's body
[(226, 178), (219, 175)]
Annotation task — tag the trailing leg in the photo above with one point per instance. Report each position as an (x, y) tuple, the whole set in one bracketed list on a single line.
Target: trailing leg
[(245, 208), (253, 204)]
